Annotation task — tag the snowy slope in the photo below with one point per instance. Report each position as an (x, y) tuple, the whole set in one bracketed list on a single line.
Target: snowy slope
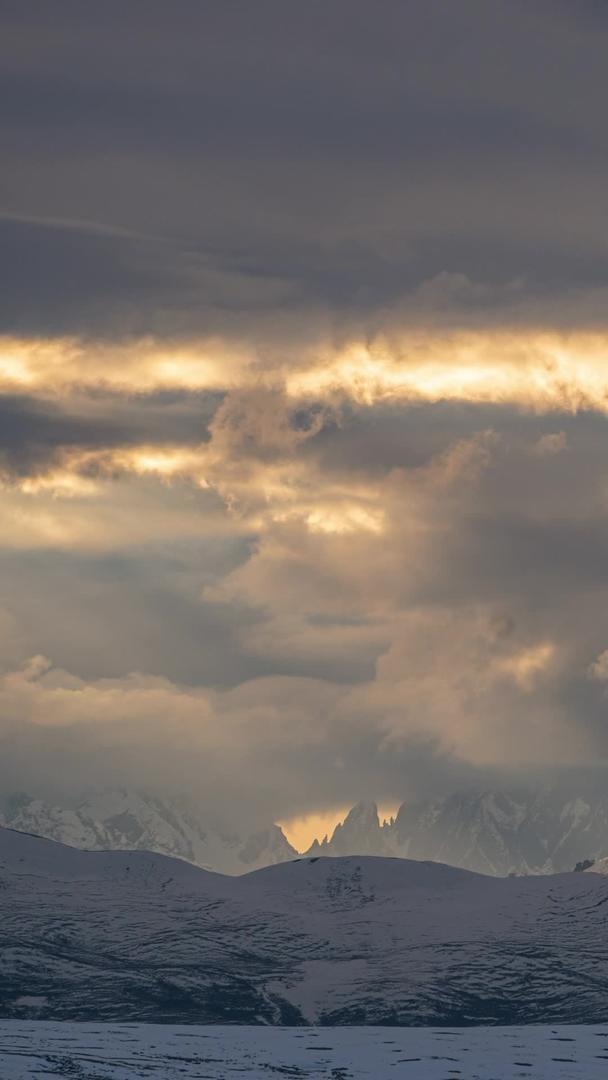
[(124, 820), (545, 830), (139, 936), (124, 1051)]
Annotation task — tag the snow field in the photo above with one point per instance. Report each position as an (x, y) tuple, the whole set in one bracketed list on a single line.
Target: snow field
[(128, 1051)]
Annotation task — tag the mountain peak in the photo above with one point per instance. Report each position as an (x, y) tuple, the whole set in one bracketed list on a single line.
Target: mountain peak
[(360, 831), (362, 814)]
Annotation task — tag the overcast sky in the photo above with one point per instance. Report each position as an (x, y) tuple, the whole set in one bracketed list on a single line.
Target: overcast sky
[(303, 396)]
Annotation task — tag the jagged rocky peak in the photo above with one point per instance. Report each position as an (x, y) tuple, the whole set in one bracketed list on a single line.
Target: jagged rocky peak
[(362, 817), (359, 834)]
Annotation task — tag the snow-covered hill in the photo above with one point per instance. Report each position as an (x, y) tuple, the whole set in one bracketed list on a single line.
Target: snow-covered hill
[(357, 940), (545, 830), (125, 820)]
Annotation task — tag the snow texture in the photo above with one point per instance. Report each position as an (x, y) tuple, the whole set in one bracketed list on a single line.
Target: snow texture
[(125, 1051)]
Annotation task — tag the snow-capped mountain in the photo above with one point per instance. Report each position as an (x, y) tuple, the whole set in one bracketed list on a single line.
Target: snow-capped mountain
[(127, 820), (139, 936), (547, 830)]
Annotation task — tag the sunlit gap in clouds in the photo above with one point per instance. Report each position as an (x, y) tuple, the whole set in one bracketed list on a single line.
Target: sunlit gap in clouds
[(541, 372), (251, 458), (532, 369), (55, 365)]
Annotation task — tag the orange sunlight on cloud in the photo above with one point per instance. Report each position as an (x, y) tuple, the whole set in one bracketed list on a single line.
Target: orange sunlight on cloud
[(535, 370)]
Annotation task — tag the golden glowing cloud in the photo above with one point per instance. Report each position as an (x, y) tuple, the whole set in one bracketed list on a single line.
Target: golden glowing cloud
[(538, 371), (59, 483), (531, 369), (138, 366), (164, 463), (347, 519), (253, 458), (526, 666)]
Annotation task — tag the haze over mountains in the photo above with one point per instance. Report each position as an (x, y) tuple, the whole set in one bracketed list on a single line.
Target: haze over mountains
[(138, 936), (547, 829)]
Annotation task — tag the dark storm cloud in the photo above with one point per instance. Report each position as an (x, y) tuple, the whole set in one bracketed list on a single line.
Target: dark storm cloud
[(208, 112), (76, 277), (345, 153), (57, 278)]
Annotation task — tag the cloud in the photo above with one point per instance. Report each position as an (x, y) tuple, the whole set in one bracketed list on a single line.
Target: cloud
[(232, 752), (290, 646), (535, 370), (303, 394), (229, 170), (551, 443), (456, 698), (599, 668)]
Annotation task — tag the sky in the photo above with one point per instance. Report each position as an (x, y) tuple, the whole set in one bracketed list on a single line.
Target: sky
[(303, 398)]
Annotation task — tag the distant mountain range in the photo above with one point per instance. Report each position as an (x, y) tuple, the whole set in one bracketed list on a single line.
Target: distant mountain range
[(126, 820), (128, 936), (547, 829), (541, 831)]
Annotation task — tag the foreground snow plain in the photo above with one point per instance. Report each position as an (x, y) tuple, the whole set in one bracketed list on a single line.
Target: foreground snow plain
[(125, 1051)]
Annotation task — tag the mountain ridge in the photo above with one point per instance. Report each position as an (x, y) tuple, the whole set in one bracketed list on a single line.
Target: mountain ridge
[(546, 830), (522, 831)]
